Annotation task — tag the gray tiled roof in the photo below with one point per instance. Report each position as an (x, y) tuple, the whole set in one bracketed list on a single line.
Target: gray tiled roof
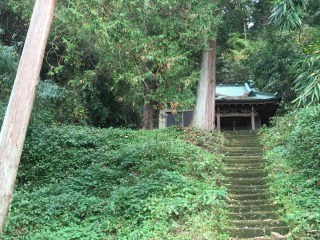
[(242, 91)]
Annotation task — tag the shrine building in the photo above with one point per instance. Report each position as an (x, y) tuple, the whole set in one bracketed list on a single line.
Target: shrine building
[(239, 106)]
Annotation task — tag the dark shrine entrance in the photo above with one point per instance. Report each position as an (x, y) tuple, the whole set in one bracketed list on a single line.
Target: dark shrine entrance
[(235, 123), (234, 119)]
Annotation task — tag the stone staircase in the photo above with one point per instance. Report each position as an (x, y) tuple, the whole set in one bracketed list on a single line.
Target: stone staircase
[(251, 212)]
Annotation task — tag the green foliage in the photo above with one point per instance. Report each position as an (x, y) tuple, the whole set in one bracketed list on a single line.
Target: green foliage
[(55, 105), (277, 60), (269, 60), (105, 50), (147, 49), (273, 61), (151, 48), (233, 59), (307, 82), (288, 14), (86, 183), (294, 162), (8, 66)]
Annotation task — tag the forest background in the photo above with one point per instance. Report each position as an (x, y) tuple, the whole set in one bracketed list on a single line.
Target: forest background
[(106, 60)]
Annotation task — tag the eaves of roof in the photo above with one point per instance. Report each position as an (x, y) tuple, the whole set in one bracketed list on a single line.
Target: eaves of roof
[(243, 93)]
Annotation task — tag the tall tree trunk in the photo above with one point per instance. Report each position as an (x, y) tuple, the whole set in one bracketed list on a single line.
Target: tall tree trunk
[(149, 113), (18, 112), (148, 118), (205, 107)]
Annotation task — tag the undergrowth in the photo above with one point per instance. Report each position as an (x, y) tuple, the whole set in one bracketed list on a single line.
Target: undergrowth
[(293, 156), (88, 183)]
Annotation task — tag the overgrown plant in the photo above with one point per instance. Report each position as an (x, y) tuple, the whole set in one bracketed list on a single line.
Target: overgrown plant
[(86, 183), (293, 146), (8, 67)]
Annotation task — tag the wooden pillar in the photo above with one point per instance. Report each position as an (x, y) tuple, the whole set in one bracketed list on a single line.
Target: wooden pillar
[(253, 121), (18, 112), (218, 121), (162, 119)]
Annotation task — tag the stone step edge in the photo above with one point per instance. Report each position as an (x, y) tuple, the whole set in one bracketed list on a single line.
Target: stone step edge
[(256, 232), (248, 201), (244, 201), (245, 166), (236, 186), (262, 214), (246, 174), (241, 157), (257, 222), (246, 181), (257, 228), (253, 207), (249, 179), (273, 237)]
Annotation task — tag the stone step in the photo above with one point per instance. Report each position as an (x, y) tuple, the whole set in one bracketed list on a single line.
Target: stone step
[(248, 160), (241, 135), (231, 135), (244, 169), (235, 202), (256, 232), (240, 191), (243, 141), (258, 148), (243, 160), (253, 215), (244, 163), (244, 157), (255, 223), (241, 132), (273, 237), (247, 181), (245, 154), (242, 138), (245, 166), (246, 174), (242, 148), (253, 196), (252, 187), (242, 144), (251, 208)]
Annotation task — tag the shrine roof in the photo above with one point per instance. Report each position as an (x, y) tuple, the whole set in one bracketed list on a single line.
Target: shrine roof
[(243, 92)]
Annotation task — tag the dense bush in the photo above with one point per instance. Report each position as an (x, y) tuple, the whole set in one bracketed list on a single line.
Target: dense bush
[(86, 183), (293, 147), (8, 66), (55, 104)]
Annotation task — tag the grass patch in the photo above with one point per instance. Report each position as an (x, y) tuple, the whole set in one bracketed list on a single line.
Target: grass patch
[(88, 183)]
